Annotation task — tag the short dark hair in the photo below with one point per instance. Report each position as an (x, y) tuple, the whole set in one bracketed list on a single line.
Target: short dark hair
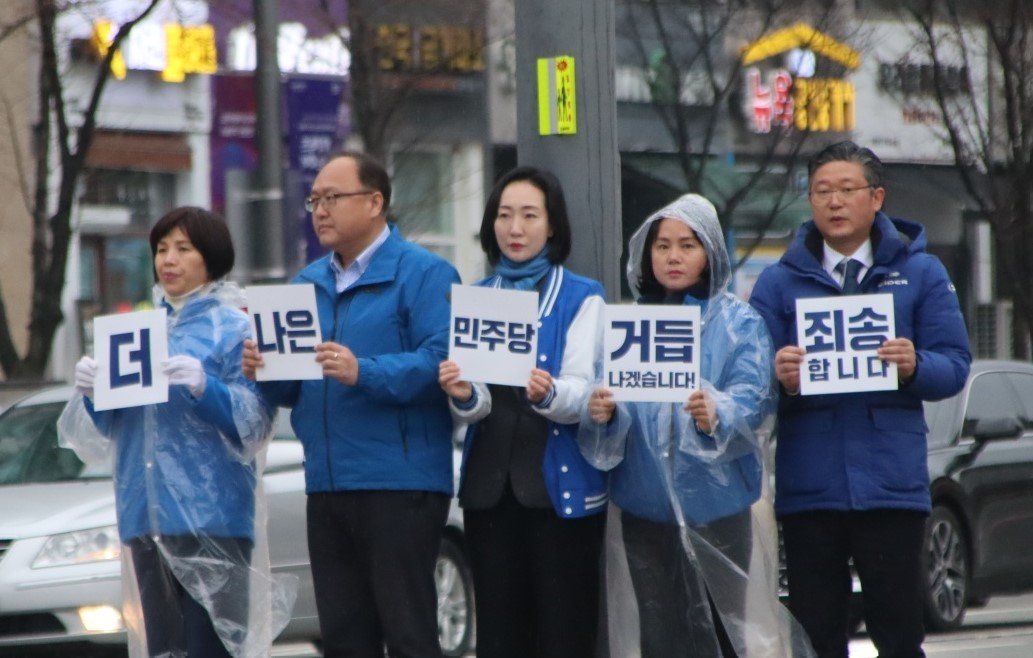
[(372, 174), (206, 231), (555, 207), (849, 152)]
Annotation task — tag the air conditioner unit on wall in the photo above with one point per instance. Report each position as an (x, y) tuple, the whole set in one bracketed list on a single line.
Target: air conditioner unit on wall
[(992, 332)]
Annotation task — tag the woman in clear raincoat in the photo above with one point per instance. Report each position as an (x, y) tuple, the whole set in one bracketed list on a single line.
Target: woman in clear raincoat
[(691, 564), (191, 516)]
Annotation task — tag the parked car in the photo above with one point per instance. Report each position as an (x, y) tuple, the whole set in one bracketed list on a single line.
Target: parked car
[(60, 580), (981, 480)]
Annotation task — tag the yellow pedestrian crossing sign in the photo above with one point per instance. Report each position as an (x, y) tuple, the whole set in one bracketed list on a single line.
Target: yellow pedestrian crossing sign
[(557, 105)]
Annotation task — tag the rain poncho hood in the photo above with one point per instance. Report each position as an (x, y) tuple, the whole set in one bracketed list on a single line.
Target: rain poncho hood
[(666, 474), (698, 214), (187, 474)]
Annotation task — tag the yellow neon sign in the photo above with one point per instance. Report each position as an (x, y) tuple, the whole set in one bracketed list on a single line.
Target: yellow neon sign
[(800, 35), (823, 104), (186, 49)]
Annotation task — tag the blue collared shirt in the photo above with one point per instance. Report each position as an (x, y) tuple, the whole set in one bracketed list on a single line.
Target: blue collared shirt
[(345, 277)]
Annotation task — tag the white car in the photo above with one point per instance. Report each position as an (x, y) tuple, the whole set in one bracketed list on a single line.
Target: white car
[(60, 580)]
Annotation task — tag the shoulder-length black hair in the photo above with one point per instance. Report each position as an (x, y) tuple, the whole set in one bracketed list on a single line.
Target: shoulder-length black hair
[(206, 231), (555, 206), (650, 290)]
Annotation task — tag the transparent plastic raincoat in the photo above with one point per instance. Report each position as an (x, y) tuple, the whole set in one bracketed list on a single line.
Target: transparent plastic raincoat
[(691, 515), (188, 486)]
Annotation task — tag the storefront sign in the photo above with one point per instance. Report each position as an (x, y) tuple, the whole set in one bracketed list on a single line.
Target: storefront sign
[(405, 48), (296, 51), (792, 97), (910, 78), (172, 49)]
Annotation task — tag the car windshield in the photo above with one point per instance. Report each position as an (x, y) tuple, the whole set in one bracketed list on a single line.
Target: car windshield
[(29, 452)]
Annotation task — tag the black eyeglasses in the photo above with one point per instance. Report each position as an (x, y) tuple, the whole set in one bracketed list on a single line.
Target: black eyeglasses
[(330, 200)]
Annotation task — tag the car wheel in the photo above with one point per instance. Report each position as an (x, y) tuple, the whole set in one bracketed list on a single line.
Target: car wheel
[(455, 599), (946, 567)]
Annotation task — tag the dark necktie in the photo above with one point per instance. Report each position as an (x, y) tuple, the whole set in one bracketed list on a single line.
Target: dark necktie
[(849, 267)]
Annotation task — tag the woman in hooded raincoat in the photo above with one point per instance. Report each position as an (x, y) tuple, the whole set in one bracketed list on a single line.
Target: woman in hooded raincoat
[(186, 471), (685, 477)]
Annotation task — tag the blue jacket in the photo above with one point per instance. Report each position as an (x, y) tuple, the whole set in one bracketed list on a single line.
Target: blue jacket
[(865, 451), (666, 458), (575, 488), (392, 430), (185, 467)]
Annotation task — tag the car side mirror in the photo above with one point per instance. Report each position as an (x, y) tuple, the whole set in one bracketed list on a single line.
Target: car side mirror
[(995, 429)]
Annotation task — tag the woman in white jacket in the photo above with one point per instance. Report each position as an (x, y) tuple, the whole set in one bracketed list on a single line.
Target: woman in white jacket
[(532, 504)]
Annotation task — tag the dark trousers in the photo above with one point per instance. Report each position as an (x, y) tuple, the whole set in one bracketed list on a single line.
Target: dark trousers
[(670, 590), (536, 577), (175, 623), (373, 556), (886, 548)]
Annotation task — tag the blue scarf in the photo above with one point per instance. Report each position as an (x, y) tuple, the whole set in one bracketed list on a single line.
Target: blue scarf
[(523, 276)]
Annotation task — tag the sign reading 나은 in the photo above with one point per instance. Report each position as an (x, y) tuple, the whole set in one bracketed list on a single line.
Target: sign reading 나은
[(129, 349), (285, 328), (494, 334), (841, 335), (651, 353)]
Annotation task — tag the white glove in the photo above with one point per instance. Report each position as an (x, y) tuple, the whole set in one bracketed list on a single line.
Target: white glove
[(85, 374), (186, 370)]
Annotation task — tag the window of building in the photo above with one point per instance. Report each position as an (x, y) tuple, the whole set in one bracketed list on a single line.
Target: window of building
[(423, 198)]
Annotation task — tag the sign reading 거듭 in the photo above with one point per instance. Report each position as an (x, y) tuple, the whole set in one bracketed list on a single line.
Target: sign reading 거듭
[(651, 353), (285, 326), (494, 334), (129, 349), (841, 335)]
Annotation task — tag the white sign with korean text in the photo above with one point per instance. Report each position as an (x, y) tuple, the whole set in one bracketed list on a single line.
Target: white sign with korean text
[(129, 349), (841, 335), (651, 353), (285, 326), (494, 334)]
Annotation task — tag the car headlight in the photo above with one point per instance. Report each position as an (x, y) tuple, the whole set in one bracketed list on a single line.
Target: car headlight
[(93, 545)]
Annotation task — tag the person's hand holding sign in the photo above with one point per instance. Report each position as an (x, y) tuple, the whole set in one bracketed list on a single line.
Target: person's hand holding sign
[(787, 367), (448, 378), (701, 407), (539, 385), (338, 362), (902, 352), (601, 406)]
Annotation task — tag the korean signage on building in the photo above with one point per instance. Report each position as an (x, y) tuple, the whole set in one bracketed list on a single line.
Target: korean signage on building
[(782, 88), (171, 49)]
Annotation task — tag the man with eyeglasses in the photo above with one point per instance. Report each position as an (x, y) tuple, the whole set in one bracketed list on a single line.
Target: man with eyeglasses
[(850, 469), (376, 429)]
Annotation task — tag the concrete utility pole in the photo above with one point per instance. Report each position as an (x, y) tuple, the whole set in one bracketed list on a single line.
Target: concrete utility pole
[(265, 230), (587, 162)]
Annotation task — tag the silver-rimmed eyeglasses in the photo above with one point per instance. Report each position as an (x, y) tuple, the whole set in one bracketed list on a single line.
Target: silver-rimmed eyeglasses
[(824, 195), (330, 200)]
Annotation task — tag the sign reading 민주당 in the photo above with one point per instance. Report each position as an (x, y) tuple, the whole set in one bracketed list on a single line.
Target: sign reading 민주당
[(841, 335), (285, 325), (494, 335), (129, 350), (651, 353)]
